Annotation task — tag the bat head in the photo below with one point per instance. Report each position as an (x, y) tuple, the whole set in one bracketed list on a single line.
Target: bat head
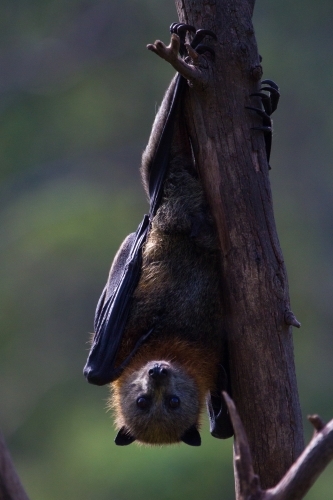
[(158, 403)]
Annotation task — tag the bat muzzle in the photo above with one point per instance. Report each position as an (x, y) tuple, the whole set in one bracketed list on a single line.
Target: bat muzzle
[(159, 372)]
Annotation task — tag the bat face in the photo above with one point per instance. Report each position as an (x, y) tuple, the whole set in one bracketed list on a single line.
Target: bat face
[(157, 403)]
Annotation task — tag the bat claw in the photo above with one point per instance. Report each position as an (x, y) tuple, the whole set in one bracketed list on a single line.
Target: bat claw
[(262, 113), (259, 94), (266, 130), (269, 102), (173, 27), (181, 29), (271, 83), (272, 90), (201, 49), (200, 35)]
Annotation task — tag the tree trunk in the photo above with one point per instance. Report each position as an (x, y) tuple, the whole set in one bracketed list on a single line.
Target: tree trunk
[(233, 165)]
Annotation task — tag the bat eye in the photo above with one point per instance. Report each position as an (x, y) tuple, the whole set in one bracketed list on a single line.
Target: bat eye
[(174, 402), (143, 402)]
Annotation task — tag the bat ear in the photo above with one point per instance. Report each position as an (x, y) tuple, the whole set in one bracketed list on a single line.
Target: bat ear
[(191, 436), (123, 438)]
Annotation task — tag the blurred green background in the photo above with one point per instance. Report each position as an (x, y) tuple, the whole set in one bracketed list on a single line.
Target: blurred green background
[(78, 94)]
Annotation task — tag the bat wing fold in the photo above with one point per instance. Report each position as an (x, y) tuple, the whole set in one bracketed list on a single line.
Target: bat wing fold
[(113, 308), (114, 304)]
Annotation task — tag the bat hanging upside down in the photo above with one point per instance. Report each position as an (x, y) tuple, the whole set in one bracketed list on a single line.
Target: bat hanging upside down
[(158, 337)]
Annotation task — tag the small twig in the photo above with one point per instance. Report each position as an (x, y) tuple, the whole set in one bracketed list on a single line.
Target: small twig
[(195, 73), (290, 319), (302, 474), (248, 481), (10, 484), (317, 422)]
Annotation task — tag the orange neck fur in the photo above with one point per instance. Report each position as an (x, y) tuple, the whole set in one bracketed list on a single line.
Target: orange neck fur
[(199, 362)]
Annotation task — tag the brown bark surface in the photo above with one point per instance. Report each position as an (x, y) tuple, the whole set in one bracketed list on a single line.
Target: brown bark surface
[(234, 169)]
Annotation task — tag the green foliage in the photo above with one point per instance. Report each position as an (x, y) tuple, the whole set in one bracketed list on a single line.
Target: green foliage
[(79, 93)]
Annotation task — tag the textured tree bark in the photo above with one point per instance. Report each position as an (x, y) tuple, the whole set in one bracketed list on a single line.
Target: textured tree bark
[(234, 169)]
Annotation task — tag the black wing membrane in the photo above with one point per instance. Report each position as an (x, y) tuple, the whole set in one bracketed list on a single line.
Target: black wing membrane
[(114, 304), (113, 308)]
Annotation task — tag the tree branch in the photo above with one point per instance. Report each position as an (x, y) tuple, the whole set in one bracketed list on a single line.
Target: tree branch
[(248, 481), (301, 475)]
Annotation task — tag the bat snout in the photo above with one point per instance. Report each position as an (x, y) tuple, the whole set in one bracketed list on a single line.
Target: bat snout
[(159, 371)]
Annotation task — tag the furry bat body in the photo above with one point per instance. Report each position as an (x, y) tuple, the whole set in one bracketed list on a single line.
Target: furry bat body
[(158, 322), (159, 397)]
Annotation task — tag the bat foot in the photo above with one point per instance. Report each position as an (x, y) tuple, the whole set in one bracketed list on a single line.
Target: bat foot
[(269, 101), (273, 97), (181, 29)]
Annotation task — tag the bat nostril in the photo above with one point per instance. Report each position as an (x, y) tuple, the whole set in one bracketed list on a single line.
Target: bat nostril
[(158, 371)]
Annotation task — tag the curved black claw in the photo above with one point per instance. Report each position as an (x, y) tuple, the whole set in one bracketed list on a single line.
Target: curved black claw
[(266, 128), (271, 83), (201, 49), (200, 35), (266, 101), (274, 94), (181, 29), (173, 27), (273, 98), (269, 102)]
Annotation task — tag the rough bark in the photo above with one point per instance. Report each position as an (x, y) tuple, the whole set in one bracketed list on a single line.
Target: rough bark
[(10, 484), (234, 169)]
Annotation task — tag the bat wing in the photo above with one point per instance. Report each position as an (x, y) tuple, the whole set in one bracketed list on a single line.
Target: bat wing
[(114, 304), (113, 308)]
